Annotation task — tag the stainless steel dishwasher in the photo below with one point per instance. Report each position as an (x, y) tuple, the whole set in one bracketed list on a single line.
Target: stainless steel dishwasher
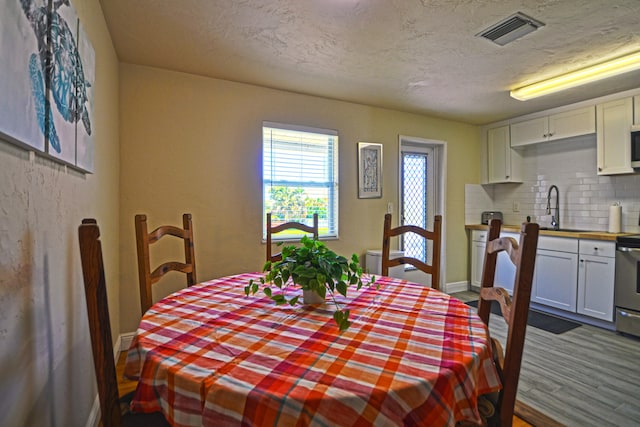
[(627, 284)]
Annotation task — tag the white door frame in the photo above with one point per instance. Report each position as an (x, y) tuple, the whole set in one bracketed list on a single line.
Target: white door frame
[(440, 162)]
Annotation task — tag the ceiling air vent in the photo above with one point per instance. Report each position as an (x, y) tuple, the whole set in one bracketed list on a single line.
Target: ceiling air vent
[(511, 28)]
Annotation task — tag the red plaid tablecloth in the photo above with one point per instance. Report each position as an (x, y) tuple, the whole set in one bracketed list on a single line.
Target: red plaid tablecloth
[(208, 355)]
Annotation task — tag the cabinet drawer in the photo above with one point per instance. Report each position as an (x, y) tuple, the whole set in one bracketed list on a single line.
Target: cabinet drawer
[(597, 248), (561, 244), (479, 235)]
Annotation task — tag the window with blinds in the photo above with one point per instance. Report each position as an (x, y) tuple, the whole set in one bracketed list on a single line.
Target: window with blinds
[(300, 177)]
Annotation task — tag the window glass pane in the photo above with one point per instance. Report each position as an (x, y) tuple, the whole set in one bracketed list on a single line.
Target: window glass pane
[(300, 178), (414, 178)]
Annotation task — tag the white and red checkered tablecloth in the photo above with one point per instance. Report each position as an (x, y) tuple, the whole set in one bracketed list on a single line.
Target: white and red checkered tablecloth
[(208, 355)]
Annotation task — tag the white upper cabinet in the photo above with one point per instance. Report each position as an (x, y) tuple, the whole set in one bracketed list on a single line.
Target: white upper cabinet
[(614, 147), (572, 123), (530, 131), (504, 165), (581, 121)]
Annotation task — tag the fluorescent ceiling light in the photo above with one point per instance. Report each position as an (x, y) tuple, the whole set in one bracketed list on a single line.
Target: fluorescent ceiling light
[(604, 70)]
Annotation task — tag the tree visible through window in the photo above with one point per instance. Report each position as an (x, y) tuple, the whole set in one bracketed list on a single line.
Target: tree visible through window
[(300, 177)]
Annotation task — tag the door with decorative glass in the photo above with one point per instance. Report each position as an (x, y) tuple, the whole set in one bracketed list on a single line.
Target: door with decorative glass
[(417, 197), (420, 192)]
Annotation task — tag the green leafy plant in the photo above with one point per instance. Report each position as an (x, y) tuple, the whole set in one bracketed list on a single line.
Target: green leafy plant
[(314, 267)]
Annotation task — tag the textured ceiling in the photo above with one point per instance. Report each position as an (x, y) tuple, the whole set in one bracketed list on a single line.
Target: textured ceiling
[(412, 55)]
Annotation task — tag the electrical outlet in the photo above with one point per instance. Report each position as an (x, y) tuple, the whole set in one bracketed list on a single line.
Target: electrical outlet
[(516, 206), (389, 208)]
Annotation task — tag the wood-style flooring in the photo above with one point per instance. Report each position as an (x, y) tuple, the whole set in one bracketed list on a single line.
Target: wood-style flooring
[(125, 386), (584, 377)]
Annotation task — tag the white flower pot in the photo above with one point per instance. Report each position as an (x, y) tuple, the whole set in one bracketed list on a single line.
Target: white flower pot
[(311, 297)]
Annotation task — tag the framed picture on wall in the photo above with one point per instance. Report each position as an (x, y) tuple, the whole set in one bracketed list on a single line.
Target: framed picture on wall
[(47, 87), (369, 170)]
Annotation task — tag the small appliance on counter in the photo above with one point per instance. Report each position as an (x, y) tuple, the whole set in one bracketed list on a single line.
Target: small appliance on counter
[(487, 216)]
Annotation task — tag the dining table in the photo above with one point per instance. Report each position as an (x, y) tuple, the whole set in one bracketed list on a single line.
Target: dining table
[(209, 355)]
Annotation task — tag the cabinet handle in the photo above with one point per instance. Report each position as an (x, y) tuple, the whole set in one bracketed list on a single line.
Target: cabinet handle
[(550, 135), (625, 314), (599, 169), (545, 135), (595, 249), (581, 260), (506, 176)]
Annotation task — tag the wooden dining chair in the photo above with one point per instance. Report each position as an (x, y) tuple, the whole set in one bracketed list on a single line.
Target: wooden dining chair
[(114, 411), (144, 239), (432, 269), (274, 229), (514, 310)]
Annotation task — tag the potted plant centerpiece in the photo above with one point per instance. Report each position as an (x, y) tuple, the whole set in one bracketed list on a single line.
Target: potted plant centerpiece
[(316, 269)]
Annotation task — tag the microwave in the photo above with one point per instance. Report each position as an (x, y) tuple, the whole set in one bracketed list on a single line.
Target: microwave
[(635, 146)]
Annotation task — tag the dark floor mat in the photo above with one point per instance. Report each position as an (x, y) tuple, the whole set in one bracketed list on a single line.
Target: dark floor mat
[(538, 320)]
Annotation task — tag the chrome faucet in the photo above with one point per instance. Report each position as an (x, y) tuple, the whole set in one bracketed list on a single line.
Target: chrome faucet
[(555, 219)]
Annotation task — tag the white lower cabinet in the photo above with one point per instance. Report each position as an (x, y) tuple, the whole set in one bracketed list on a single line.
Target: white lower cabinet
[(505, 270), (478, 247), (556, 273), (575, 275), (555, 279), (595, 279)]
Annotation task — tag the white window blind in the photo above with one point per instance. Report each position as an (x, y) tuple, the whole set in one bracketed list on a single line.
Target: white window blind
[(300, 177)]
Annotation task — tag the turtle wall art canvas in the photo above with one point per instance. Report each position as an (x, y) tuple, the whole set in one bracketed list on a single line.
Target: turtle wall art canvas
[(60, 65), (21, 104), (84, 130)]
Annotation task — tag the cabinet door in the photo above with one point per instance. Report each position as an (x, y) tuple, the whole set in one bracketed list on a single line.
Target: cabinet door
[(529, 131), (614, 147), (505, 273), (555, 279), (595, 286), (636, 110), (477, 262), (572, 123), (505, 269), (502, 164), (499, 155)]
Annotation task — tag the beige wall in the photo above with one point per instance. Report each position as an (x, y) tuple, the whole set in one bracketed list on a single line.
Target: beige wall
[(193, 144), (46, 367)]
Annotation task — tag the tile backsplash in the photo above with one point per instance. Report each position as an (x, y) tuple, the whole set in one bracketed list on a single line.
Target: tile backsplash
[(585, 197)]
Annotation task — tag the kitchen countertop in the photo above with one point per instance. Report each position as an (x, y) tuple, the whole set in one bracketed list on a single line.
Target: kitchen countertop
[(578, 234)]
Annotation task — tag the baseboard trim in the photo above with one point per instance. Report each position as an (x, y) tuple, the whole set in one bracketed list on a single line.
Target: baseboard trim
[(456, 287), (94, 414)]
